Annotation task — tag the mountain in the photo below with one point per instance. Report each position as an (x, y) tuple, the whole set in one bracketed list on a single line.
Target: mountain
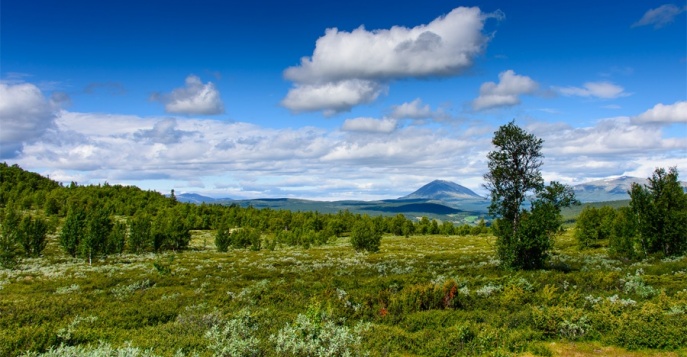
[(613, 189), (441, 190), (197, 199)]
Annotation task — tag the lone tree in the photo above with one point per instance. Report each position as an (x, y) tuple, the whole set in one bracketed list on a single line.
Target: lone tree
[(524, 237), (365, 235)]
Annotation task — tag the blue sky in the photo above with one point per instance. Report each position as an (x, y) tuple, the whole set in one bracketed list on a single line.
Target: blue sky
[(337, 100)]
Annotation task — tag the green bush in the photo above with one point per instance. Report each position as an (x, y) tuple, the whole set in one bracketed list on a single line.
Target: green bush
[(365, 236), (245, 237), (624, 235), (236, 338), (222, 238), (32, 235)]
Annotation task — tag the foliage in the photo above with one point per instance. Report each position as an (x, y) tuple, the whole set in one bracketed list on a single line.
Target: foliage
[(317, 334), (73, 230), (140, 233), (524, 237), (32, 235), (365, 235), (222, 238), (117, 239), (623, 237), (97, 231), (244, 238), (9, 241), (236, 338), (661, 209), (594, 225)]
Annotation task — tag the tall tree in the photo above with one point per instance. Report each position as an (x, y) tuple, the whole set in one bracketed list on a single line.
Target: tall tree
[(98, 228), (524, 237), (140, 233), (9, 246), (73, 230), (661, 210), (32, 235), (117, 238)]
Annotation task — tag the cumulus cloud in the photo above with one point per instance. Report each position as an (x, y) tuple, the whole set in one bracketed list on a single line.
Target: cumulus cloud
[(505, 93), (660, 16), (370, 125), (444, 47), (352, 162), (412, 110), (333, 97), (611, 136), (164, 131), (664, 114), (195, 98), (602, 90), (25, 115), (611, 147)]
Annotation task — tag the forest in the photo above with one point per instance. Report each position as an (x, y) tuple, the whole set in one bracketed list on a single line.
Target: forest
[(116, 270)]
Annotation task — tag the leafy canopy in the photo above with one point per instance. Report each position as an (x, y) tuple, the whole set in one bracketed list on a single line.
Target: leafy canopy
[(524, 237)]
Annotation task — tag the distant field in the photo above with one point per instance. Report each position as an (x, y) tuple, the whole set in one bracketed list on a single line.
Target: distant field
[(419, 296)]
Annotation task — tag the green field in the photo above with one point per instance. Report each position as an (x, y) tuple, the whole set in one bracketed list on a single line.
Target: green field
[(418, 296)]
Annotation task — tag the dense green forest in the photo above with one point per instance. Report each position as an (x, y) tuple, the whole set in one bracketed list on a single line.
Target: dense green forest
[(116, 270)]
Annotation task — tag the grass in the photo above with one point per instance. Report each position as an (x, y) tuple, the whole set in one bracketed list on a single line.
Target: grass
[(418, 296)]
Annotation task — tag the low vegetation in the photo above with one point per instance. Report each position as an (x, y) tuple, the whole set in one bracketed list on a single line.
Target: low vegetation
[(421, 295)]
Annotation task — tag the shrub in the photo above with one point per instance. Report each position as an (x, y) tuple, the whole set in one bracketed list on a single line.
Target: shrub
[(423, 297), (244, 238), (9, 251), (222, 238), (365, 236), (316, 334), (236, 337)]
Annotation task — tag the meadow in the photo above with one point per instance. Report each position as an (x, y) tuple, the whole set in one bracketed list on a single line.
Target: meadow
[(429, 295)]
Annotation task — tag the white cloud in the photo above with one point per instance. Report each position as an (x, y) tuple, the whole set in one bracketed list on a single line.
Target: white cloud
[(413, 110), (333, 97), (611, 136), (164, 131), (603, 90), (352, 162), (665, 114), (25, 115), (506, 93), (195, 98), (370, 125), (613, 146), (444, 47), (660, 16)]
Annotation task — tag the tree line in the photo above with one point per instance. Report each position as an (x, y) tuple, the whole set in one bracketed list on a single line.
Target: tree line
[(654, 223), (95, 221)]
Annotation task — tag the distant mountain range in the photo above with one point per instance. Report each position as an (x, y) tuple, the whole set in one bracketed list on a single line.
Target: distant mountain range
[(438, 198), (440, 190), (614, 189)]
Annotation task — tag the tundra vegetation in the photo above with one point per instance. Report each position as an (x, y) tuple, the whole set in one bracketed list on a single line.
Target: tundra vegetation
[(114, 270)]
